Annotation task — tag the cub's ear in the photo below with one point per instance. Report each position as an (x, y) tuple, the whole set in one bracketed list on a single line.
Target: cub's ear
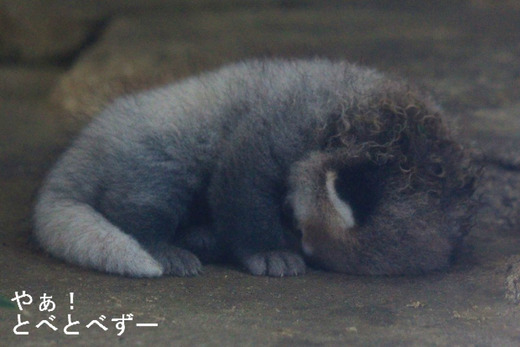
[(331, 193), (341, 207), (359, 185)]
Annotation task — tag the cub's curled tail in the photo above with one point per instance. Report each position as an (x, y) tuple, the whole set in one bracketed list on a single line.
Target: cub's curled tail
[(68, 226)]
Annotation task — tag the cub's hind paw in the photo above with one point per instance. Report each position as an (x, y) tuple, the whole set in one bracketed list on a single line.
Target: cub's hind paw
[(177, 261), (275, 264), (180, 262)]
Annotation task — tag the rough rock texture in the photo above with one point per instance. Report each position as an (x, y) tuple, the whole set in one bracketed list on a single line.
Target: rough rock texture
[(35, 34), (55, 31), (150, 49), (513, 279)]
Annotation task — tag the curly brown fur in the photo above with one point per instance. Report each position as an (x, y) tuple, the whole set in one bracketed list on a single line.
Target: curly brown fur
[(418, 178)]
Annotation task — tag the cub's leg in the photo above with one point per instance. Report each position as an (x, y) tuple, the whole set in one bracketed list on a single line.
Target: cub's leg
[(150, 208), (246, 197), (202, 241)]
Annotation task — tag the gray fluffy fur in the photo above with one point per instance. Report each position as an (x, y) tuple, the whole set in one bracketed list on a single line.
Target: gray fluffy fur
[(203, 169)]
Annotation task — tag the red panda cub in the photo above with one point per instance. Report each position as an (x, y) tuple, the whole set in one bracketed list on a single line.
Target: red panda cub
[(202, 169)]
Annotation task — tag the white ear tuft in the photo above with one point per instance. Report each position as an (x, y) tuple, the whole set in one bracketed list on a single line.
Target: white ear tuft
[(342, 208)]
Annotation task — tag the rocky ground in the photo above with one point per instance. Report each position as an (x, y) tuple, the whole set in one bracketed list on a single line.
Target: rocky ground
[(62, 60)]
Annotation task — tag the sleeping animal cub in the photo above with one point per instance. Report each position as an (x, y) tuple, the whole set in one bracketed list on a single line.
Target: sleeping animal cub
[(262, 163)]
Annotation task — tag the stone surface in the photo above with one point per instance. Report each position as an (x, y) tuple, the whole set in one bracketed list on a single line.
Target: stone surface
[(467, 51), (36, 34), (513, 280), (141, 51), (54, 31)]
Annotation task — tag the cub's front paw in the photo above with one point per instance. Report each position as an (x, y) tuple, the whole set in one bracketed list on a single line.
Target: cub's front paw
[(274, 263), (182, 263), (176, 261)]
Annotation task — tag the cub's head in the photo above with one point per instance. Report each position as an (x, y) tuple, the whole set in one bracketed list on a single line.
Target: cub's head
[(388, 193)]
